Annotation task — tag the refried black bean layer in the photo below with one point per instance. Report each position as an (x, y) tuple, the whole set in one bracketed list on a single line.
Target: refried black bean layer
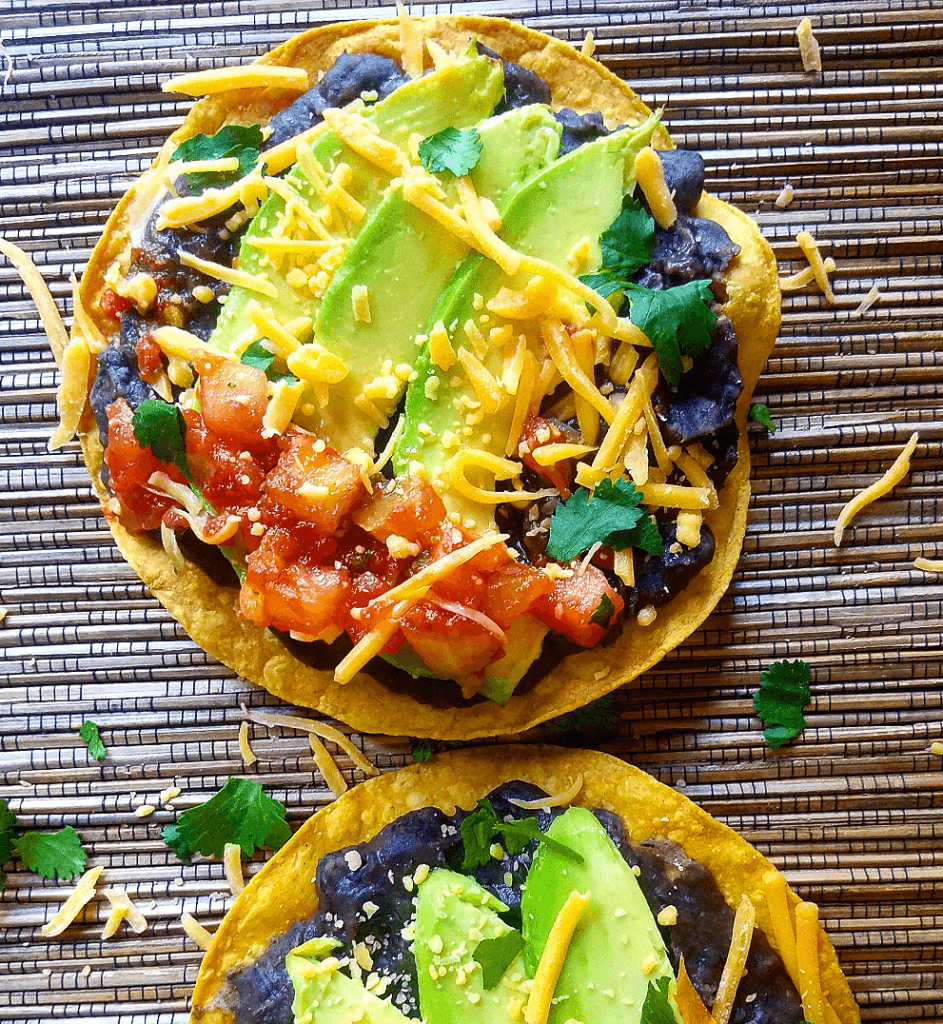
[(352, 882)]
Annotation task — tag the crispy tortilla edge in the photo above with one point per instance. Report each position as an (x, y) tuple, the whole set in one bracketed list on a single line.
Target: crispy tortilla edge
[(208, 613), (282, 892)]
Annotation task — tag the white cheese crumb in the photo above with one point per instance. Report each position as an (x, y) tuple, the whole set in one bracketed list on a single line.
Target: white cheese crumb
[(354, 860)]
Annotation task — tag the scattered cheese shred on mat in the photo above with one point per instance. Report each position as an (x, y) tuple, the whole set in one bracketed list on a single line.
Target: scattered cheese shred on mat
[(248, 76), (805, 276), (327, 766), (735, 966), (563, 799), (785, 197), (326, 732), (878, 489), (232, 865), (551, 960), (867, 302), (248, 757), (69, 911), (589, 44), (807, 955), (808, 46), (810, 249), (73, 391), (40, 294), (195, 930), (121, 909), (929, 564)]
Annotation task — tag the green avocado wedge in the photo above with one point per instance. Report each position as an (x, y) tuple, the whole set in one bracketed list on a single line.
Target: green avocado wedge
[(457, 96), (404, 260), (617, 950)]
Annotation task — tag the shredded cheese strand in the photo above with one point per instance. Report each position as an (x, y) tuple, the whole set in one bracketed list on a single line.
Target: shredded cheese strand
[(928, 564), (72, 393), (327, 766), (810, 249), (410, 42), (688, 999), (248, 76), (890, 479), (558, 345), (551, 960), (83, 892), (777, 903), (805, 276), (282, 156), (245, 750), (562, 799), (370, 645), (807, 962), (501, 469), (232, 865), (82, 323), (651, 180), (195, 930), (39, 292), (735, 965), (229, 275), (122, 909)]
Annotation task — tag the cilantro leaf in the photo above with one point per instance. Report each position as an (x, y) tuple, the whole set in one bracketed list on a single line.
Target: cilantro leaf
[(783, 693), (673, 319), (602, 616), (599, 717), (7, 838), (496, 956), (759, 413), (452, 149), (241, 812), (257, 356), (611, 515), (628, 243), (656, 1009), (605, 282), (484, 825), (89, 733), (53, 854), (160, 426), (422, 750), (241, 141)]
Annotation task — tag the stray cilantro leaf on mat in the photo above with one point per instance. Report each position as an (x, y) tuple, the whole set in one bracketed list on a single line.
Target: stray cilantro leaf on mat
[(7, 838), (89, 733), (481, 827), (241, 812), (240, 141), (160, 426), (610, 515), (496, 956), (599, 718), (656, 1009), (422, 750), (759, 413), (783, 693), (53, 854), (673, 319), (452, 149)]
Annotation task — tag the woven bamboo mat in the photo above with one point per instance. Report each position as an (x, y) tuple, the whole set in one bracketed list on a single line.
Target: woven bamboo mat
[(853, 811)]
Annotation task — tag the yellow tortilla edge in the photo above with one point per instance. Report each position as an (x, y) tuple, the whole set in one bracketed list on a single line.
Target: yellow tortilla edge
[(283, 891), (208, 613)]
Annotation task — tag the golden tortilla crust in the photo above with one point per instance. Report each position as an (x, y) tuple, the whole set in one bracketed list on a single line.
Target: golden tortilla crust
[(367, 703), (283, 893)]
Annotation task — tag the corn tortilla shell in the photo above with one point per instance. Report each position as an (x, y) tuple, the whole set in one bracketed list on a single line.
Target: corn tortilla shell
[(369, 702), (283, 893)]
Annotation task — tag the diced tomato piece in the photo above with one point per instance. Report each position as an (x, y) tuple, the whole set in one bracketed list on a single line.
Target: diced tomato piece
[(571, 606), (150, 358), (234, 398), (129, 468), (456, 646), (230, 477), (538, 431), (466, 583), (313, 482), (512, 590), (303, 596), (112, 304), (407, 508)]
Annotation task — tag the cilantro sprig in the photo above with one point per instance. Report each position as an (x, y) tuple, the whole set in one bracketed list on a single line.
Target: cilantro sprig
[(759, 413), (421, 750), (627, 246), (783, 693), (50, 854), (241, 141), (611, 515), (453, 149), (160, 426), (241, 812), (93, 741), (7, 839), (496, 956), (481, 827)]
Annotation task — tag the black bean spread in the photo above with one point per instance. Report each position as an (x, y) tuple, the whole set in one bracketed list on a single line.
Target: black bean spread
[(365, 895)]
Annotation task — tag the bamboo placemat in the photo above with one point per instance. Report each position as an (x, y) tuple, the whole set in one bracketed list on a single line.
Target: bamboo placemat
[(851, 811)]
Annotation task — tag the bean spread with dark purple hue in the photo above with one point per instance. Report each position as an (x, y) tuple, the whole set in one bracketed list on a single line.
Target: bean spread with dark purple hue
[(362, 898)]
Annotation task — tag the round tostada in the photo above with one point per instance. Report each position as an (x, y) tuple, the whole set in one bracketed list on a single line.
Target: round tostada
[(414, 376), (519, 884)]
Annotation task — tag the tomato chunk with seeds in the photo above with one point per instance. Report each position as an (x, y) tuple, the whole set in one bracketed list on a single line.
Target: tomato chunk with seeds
[(314, 482), (405, 508), (453, 644), (512, 590), (234, 398), (581, 607)]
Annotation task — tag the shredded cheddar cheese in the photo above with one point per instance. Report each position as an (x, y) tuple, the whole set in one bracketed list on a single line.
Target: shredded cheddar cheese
[(688, 1000), (456, 470), (589, 44), (551, 960), (73, 391), (410, 42), (247, 76), (245, 750), (894, 475), (560, 347), (83, 892), (784, 935), (195, 931), (283, 401), (807, 963), (735, 965), (808, 46), (867, 302), (279, 158), (122, 909), (928, 565), (360, 301), (551, 454), (232, 865), (805, 276), (562, 799), (313, 364), (331, 774), (651, 180), (482, 380), (229, 275), (810, 249), (39, 292), (186, 210), (357, 133)]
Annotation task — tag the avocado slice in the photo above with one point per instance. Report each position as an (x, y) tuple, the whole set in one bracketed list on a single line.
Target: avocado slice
[(322, 992), (453, 914), (577, 197), (616, 950), (404, 260), (456, 96)]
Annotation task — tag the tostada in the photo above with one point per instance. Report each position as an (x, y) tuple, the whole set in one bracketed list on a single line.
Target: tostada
[(414, 376), (459, 890)]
